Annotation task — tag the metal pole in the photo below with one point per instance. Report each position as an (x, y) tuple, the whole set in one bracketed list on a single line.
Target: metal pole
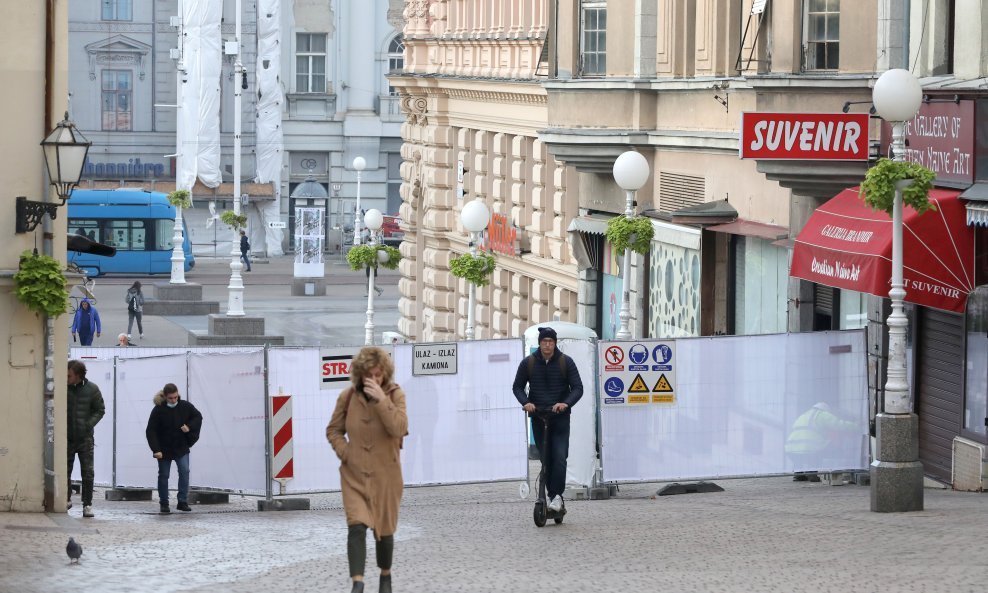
[(472, 291), (369, 326), (625, 332), (356, 214), (178, 255), (267, 429)]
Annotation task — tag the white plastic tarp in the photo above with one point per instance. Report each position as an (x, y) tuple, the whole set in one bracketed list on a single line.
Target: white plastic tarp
[(295, 372), (466, 427), (582, 461), (138, 379), (736, 399), (228, 389), (199, 110), (270, 104), (100, 372)]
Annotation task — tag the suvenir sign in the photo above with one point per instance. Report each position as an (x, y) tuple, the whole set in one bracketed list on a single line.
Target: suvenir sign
[(805, 136)]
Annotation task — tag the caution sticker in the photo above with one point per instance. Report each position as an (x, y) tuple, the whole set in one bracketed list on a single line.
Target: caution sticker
[(638, 385), (662, 385), (638, 399), (664, 398)]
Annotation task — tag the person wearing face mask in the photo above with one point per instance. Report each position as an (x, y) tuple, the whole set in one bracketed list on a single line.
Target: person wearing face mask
[(173, 428)]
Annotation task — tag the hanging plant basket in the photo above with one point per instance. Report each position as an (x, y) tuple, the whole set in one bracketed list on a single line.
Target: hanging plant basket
[(362, 256), (180, 198), (475, 269), (631, 233), (878, 189), (237, 221), (40, 285)]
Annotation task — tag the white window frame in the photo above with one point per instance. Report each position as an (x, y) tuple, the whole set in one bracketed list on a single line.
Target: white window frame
[(111, 10), (395, 60), (117, 93), (593, 60), (828, 43), (307, 77)]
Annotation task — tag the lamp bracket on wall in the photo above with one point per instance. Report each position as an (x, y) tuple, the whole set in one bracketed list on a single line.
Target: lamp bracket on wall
[(30, 213), (955, 100), (725, 100), (847, 106)]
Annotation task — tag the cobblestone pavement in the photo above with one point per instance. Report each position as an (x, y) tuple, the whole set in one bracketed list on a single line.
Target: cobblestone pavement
[(767, 534)]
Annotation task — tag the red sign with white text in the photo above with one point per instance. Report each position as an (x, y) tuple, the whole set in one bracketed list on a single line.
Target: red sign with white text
[(805, 136)]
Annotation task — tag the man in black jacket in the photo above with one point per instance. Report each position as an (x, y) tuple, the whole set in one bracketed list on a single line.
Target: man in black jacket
[(84, 407), (245, 250), (173, 428), (553, 382)]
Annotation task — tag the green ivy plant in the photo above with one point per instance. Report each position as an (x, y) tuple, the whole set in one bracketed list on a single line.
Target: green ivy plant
[(878, 189), (475, 269), (632, 233), (40, 284), (180, 198), (237, 221), (362, 256)]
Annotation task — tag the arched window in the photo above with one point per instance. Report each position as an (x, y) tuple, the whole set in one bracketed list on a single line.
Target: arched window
[(396, 58)]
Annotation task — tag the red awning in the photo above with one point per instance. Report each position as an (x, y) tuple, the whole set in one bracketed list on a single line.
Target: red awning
[(848, 245)]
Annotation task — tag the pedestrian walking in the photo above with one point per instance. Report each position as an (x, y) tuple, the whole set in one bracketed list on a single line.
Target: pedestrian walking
[(173, 428), (553, 383), (366, 432), (84, 409), (245, 249), (86, 323), (135, 308)]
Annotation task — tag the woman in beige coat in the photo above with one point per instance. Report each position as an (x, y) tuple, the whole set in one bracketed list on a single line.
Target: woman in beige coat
[(366, 432)]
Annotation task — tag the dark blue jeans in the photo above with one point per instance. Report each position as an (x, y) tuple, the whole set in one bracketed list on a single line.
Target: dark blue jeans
[(164, 471), (554, 459), (245, 257)]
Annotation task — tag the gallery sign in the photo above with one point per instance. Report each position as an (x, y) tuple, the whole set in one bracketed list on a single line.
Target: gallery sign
[(804, 136), (941, 138)]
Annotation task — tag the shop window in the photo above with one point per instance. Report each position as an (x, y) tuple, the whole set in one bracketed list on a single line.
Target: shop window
[(761, 280), (976, 373), (821, 34), (853, 310)]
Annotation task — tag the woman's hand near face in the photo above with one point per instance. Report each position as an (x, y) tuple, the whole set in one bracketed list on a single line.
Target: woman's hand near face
[(373, 390)]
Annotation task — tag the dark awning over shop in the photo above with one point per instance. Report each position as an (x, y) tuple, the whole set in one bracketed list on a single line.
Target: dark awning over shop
[(848, 245)]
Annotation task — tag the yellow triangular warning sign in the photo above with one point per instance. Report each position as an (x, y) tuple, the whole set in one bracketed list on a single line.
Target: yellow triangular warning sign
[(638, 385), (662, 385)]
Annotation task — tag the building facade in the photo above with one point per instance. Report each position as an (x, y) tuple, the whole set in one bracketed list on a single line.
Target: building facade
[(34, 60), (337, 105)]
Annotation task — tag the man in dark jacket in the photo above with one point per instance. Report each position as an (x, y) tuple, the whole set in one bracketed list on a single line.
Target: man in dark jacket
[(245, 250), (553, 383), (173, 428), (84, 407)]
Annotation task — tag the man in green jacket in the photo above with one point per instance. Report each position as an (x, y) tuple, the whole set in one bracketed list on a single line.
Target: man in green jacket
[(84, 407), (816, 431)]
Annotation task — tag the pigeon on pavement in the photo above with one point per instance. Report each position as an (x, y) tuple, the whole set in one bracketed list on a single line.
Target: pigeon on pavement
[(74, 550)]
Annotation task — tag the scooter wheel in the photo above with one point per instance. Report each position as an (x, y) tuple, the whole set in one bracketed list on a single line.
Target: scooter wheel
[(558, 520), (539, 514)]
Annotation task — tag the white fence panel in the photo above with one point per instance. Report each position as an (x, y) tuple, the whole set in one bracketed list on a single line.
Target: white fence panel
[(466, 427), (583, 421), (736, 399), (100, 372)]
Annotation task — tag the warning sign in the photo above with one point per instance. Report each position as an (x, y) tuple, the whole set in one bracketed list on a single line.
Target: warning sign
[(334, 367), (637, 372), (638, 386), (662, 385), (613, 357)]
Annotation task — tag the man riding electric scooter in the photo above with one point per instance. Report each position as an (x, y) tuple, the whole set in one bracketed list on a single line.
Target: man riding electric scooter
[(553, 384)]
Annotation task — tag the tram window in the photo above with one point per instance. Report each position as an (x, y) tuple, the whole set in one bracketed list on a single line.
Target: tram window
[(126, 235)]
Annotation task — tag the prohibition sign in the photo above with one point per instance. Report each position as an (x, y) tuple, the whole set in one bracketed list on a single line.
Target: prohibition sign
[(614, 355)]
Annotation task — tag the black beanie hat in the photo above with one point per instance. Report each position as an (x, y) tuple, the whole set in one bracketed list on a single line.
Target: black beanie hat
[(547, 332)]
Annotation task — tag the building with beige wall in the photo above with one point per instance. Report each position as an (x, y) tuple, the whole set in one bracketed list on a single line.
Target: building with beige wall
[(33, 38)]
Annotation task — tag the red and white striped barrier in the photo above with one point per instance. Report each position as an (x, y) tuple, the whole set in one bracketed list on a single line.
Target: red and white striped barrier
[(282, 463)]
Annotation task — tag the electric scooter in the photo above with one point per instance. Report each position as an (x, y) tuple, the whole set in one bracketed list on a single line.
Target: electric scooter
[(542, 511)]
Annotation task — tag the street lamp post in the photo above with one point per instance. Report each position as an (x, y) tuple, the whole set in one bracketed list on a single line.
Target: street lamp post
[(896, 472), (474, 217), (374, 220), (631, 173), (358, 165)]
